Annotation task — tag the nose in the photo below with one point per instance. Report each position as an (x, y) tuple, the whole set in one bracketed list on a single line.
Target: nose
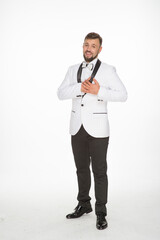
[(88, 48)]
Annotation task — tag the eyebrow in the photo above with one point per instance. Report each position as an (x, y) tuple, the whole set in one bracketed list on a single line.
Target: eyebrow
[(92, 44)]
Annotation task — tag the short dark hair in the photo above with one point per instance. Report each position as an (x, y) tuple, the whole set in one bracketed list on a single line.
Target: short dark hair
[(93, 35)]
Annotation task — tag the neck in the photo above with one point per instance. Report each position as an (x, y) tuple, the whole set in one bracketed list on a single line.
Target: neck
[(90, 60)]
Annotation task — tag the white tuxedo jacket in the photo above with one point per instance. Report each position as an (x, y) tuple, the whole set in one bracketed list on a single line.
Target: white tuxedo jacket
[(91, 110)]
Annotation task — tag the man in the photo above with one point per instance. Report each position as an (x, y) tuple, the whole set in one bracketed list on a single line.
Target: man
[(89, 127)]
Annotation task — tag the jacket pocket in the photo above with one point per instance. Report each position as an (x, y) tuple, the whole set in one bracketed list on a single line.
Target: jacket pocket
[(100, 113)]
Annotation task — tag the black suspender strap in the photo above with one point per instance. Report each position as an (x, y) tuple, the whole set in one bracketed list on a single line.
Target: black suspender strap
[(79, 73)]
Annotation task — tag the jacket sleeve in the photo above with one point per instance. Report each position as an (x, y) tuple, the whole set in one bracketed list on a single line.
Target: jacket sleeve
[(115, 90), (68, 90)]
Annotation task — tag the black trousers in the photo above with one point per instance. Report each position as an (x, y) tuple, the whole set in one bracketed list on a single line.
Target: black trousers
[(87, 149)]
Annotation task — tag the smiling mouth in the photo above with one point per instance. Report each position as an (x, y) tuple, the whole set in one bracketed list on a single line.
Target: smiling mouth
[(88, 53)]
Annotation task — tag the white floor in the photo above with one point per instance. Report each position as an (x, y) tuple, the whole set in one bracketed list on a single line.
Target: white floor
[(134, 217)]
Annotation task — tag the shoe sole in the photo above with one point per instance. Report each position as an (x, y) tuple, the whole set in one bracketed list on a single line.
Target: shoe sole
[(88, 211), (102, 228)]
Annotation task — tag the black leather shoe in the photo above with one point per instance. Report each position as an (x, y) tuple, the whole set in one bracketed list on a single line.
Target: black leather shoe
[(79, 211), (101, 221)]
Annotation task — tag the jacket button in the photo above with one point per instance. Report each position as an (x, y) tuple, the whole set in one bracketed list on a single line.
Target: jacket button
[(82, 105)]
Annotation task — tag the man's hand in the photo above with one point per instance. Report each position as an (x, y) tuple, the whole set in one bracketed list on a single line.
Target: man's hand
[(88, 87)]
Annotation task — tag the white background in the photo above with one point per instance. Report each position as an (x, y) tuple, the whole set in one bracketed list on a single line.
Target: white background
[(39, 40)]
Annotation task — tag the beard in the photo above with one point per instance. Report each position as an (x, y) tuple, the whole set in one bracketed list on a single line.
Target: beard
[(91, 58)]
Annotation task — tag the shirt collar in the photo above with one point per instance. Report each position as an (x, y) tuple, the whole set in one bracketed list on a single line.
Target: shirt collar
[(93, 61)]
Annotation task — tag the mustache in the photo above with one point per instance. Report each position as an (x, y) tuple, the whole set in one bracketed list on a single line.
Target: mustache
[(88, 52)]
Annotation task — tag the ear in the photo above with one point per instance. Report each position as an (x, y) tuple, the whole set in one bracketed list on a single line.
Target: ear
[(100, 49)]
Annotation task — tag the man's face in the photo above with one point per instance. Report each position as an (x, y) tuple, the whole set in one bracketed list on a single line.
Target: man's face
[(91, 49)]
